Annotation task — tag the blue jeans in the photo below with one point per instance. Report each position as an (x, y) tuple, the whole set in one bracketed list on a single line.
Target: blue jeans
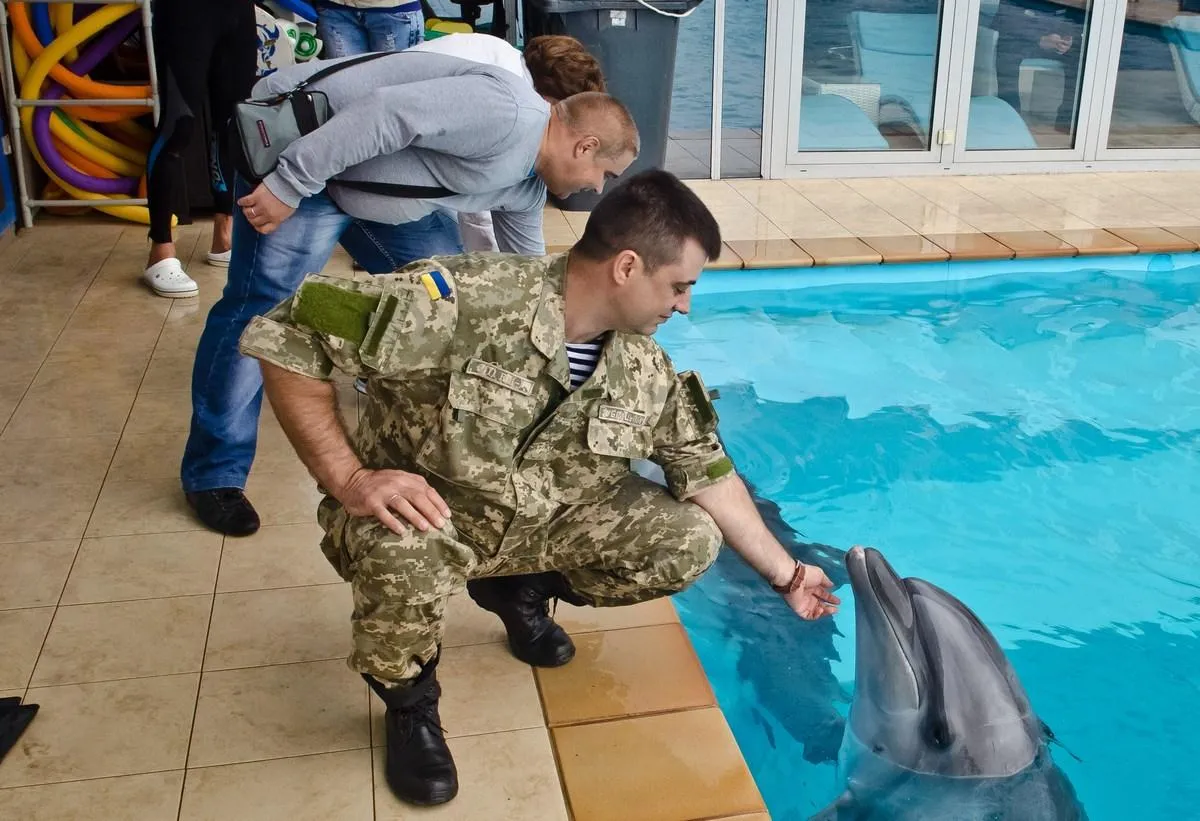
[(347, 31), (227, 387)]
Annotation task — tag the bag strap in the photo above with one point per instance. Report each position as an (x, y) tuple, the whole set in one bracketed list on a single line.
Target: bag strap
[(325, 72), (396, 189)]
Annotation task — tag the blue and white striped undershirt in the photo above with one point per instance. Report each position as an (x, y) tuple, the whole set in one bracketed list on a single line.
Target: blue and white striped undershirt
[(583, 357)]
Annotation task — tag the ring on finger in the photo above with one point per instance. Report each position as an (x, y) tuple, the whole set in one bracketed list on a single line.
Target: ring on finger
[(392, 497)]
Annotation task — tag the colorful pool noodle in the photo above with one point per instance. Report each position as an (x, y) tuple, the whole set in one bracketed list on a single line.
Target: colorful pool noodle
[(41, 23), (46, 63), (91, 57)]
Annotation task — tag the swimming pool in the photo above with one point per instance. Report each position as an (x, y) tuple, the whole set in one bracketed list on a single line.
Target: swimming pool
[(1026, 436)]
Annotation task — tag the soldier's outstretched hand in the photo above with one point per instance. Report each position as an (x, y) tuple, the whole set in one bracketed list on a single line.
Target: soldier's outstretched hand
[(386, 493)]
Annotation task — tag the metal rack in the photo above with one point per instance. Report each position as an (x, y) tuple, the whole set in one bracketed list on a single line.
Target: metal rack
[(15, 104)]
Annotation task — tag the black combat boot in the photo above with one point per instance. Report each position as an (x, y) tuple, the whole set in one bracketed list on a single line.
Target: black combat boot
[(419, 768), (523, 604)]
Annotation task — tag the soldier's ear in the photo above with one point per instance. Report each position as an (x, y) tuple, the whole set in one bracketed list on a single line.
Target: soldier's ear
[(626, 265)]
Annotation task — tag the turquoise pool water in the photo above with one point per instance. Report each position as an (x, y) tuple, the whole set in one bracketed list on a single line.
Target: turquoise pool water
[(1028, 440)]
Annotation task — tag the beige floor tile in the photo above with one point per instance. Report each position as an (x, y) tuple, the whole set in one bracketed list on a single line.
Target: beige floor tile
[(34, 572), (729, 260), (45, 512), (577, 620), (1154, 240), (150, 566), (1034, 244), (771, 253), (131, 506), (170, 370), (105, 729), (279, 626), (746, 223), (160, 412), (1189, 232), (502, 777), (906, 249), (467, 623), (149, 797), (484, 690), (625, 673), (98, 642), (284, 498), (672, 767), (125, 350), (21, 635), (148, 456), (49, 412), (97, 370), (10, 396), (79, 460), (840, 251), (275, 712), (971, 246), (275, 556), (1096, 241), (329, 787)]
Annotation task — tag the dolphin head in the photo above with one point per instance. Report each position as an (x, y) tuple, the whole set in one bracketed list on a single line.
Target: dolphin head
[(933, 691)]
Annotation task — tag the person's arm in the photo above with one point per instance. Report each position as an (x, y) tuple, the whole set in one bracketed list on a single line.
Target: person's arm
[(390, 325), (468, 115), (520, 232), (697, 469), (744, 530), (307, 412)]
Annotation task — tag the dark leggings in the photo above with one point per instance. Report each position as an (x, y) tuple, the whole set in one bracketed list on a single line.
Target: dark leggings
[(206, 51)]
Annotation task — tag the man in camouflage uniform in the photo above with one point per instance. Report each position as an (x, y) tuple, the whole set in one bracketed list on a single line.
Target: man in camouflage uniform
[(477, 464)]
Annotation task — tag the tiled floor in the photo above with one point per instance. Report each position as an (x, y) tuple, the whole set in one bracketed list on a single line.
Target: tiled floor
[(182, 675)]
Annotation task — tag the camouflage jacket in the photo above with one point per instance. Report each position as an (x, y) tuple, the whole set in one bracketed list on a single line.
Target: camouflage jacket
[(470, 387)]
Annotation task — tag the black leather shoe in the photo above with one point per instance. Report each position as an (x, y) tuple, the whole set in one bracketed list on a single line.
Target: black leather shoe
[(523, 604), (420, 769), (225, 510)]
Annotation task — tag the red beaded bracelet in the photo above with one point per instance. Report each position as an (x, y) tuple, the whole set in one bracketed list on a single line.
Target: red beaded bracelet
[(795, 583)]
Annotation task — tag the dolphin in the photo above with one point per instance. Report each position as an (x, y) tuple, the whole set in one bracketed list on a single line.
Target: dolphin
[(939, 726)]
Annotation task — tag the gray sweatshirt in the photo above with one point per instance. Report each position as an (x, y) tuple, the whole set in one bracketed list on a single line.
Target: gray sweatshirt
[(422, 119)]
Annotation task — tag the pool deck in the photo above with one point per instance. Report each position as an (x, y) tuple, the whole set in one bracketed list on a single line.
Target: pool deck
[(183, 675), (802, 223)]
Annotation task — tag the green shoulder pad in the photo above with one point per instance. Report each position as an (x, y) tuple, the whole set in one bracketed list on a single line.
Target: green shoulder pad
[(706, 414), (334, 311)]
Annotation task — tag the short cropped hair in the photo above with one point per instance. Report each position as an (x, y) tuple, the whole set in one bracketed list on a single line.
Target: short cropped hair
[(652, 214), (603, 116), (560, 67)]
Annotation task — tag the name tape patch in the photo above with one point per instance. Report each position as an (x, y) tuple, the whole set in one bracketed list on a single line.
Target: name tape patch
[(611, 413), (494, 373)]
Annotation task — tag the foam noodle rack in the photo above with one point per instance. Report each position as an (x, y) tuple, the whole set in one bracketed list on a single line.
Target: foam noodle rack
[(84, 134)]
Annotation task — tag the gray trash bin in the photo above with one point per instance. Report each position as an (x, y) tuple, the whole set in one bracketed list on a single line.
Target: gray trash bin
[(636, 50)]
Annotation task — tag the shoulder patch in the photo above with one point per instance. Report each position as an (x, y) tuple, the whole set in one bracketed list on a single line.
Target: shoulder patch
[(334, 311), (436, 285)]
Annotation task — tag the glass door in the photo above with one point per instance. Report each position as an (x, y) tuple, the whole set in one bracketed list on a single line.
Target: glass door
[(1153, 90), (869, 80), (1032, 72)]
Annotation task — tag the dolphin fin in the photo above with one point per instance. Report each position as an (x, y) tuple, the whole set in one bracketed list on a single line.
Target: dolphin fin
[(1053, 739)]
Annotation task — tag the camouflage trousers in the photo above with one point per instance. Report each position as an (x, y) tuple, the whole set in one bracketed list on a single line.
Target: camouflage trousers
[(635, 545)]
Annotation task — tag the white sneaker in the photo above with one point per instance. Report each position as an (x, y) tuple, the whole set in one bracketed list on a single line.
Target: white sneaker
[(167, 279), (220, 260)]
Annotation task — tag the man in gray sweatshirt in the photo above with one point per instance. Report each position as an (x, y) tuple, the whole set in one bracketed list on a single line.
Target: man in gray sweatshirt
[(411, 118)]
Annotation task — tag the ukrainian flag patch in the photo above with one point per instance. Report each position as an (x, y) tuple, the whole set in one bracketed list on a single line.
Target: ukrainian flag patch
[(436, 285)]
